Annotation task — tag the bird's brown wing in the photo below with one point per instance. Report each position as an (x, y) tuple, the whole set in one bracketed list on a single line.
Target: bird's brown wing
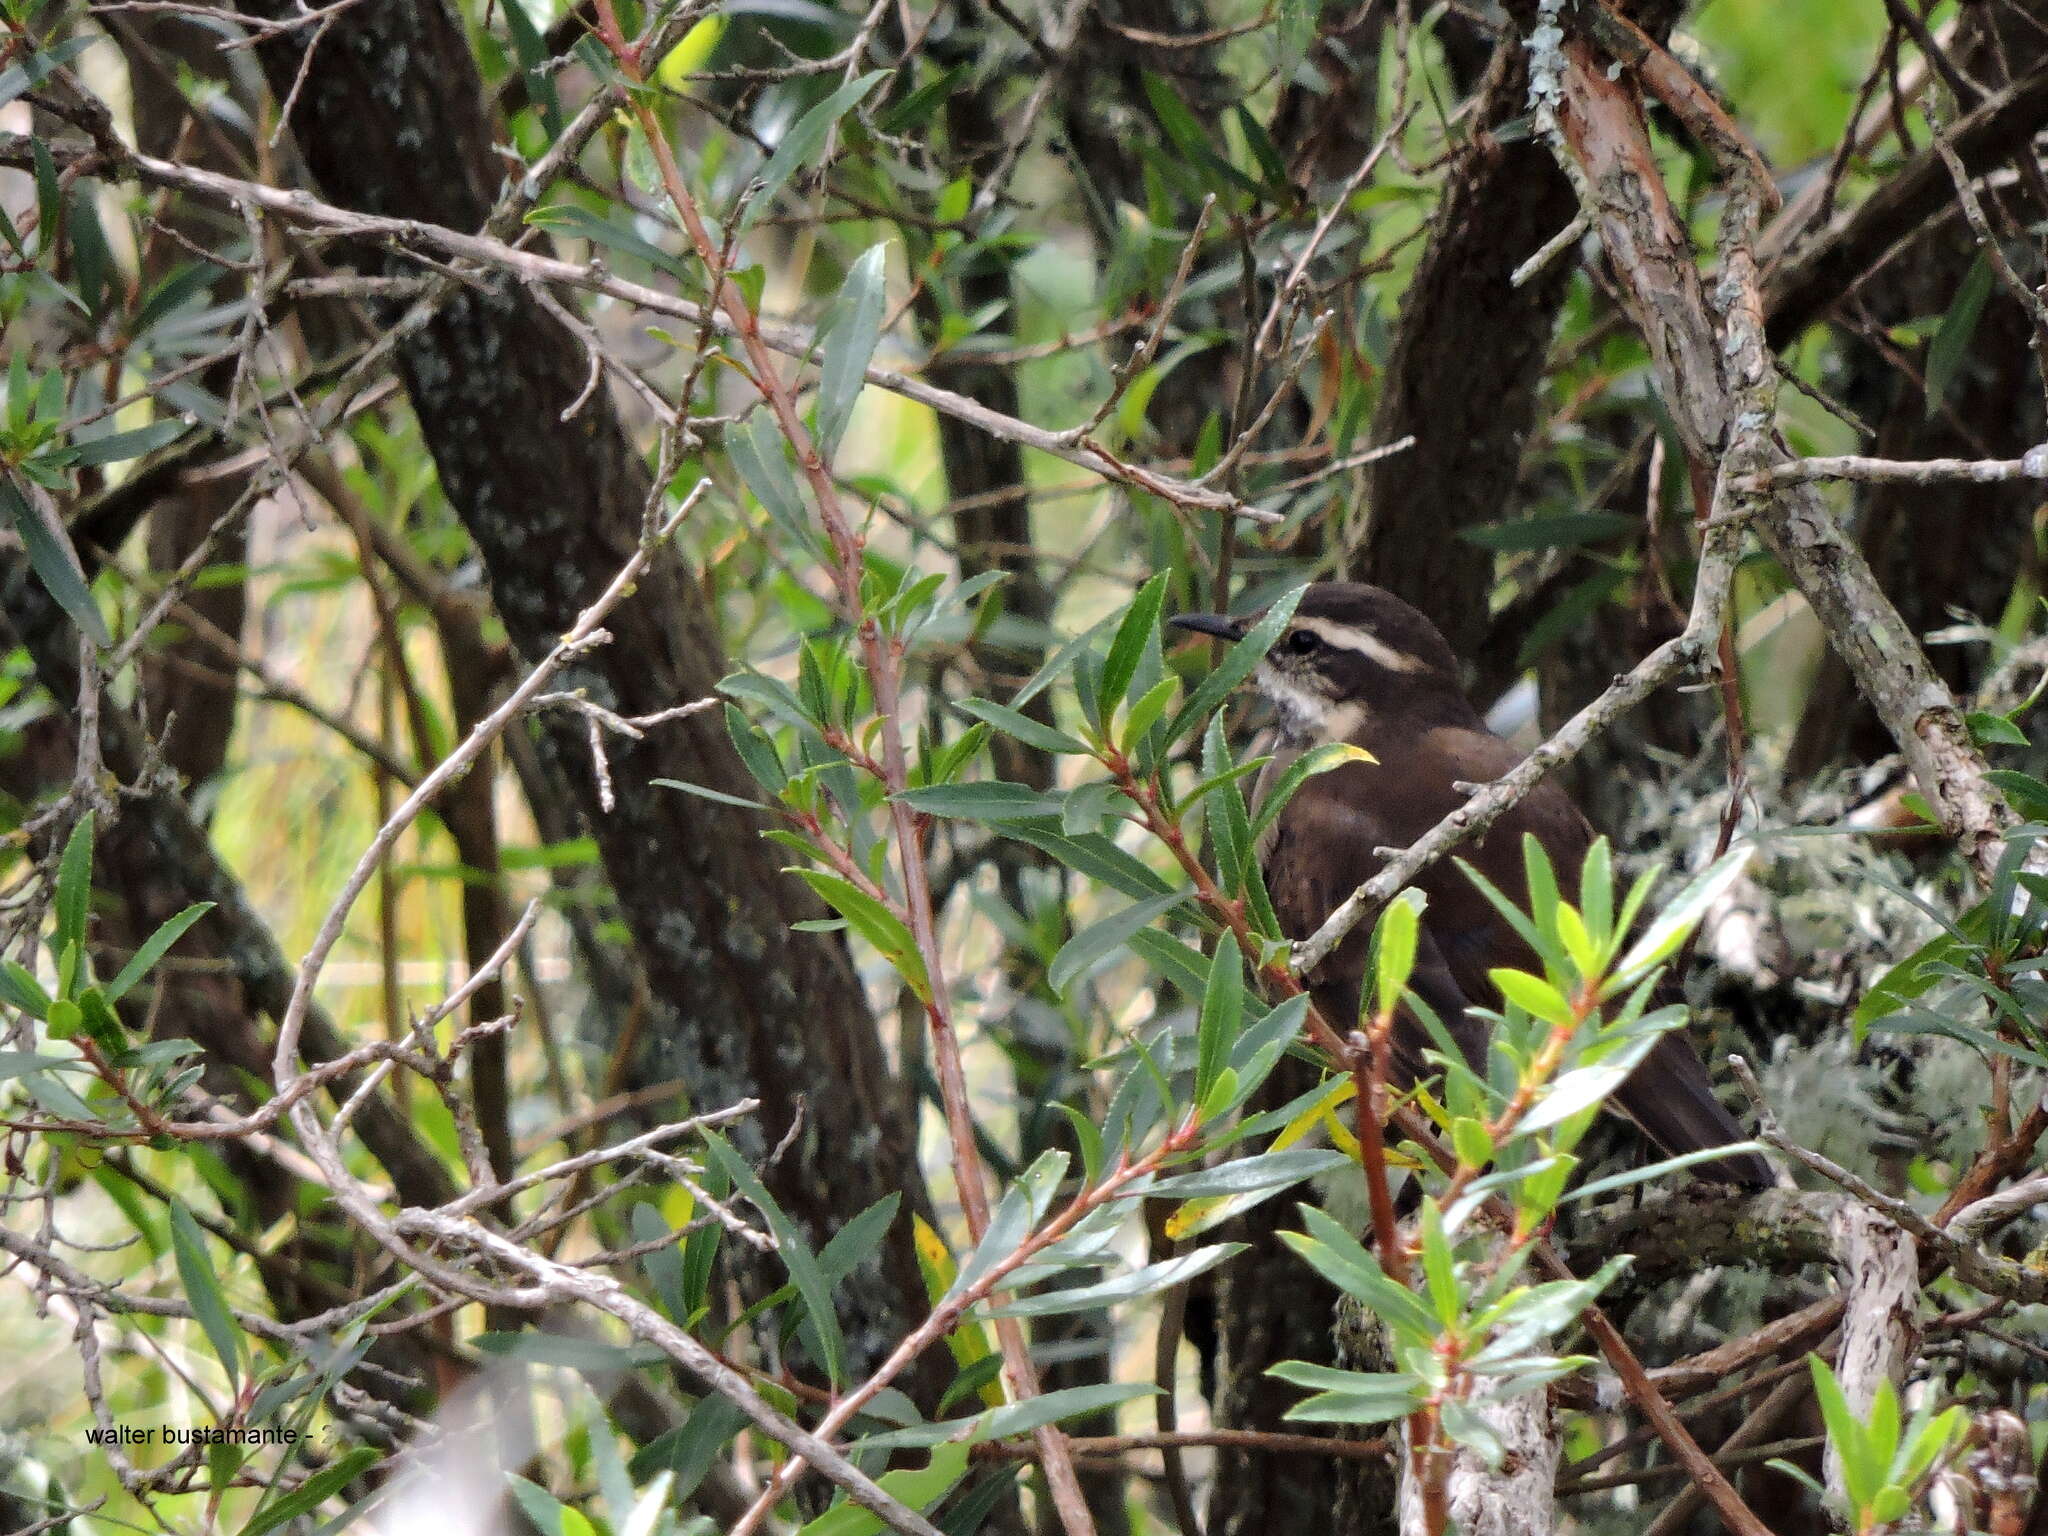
[(1670, 1097), (1464, 937), (1307, 885)]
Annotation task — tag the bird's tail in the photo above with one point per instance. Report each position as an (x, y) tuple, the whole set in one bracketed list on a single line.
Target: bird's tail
[(1671, 1099)]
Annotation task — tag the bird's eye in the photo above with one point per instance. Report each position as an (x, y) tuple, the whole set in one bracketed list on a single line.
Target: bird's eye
[(1304, 642)]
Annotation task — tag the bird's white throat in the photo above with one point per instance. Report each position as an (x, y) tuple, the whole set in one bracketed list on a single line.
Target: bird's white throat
[(1307, 718)]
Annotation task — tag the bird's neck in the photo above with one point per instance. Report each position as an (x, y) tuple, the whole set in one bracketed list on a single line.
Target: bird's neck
[(1303, 719)]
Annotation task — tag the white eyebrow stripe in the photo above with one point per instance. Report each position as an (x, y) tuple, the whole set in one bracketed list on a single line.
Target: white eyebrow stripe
[(1346, 637)]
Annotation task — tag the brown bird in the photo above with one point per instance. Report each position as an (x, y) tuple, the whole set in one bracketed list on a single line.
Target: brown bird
[(1358, 665)]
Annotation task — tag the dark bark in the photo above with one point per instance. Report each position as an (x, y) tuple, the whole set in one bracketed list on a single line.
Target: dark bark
[(1466, 365), (200, 693), (1272, 1307), (391, 121), (1912, 535)]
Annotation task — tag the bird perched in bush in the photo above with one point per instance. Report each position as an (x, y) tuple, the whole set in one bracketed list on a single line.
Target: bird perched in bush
[(1357, 665)]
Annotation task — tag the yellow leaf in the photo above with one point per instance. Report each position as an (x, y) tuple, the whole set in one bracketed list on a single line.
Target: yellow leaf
[(969, 1342), (689, 55)]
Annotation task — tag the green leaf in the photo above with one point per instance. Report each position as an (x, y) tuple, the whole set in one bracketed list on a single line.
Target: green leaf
[(66, 1019), (154, 949), (850, 339), (848, 1248), (531, 50), (1439, 1266), (1338, 1257), (1347, 1397), (664, 1265), (74, 888), (1538, 998), (794, 1252), (549, 1515), (1667, 931), (1180, 963), (1951, 345), (49, 191), (688, 1452), (118, 446), (1584, 1087), (202, 1290), (91, 261), (755, 750), (992, 800), (19, 986), (761, 456), (1394, 943), (1222, 1015), (1578, 943), (1266, 1171), (873, 921), (39, 66), (579, 222), (921, 103), (1469, 1139), (1146, 710), (314, 1491), (1048, 1407), (1139, 1282), (1238, 663), (1014, 722), (1080, 953), (1596, 892), (803, 141), (1899, 986), (1140, 622), (1989, 730), (1186, 132), (20, 1063), (1315, 761), (1029, 1195), (2029, 796), (917, 1487), (51, 557), (1091, 854), (715, 796), (1271, 164)]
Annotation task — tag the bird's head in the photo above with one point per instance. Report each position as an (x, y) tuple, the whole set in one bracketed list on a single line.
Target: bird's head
[(1352, 651)]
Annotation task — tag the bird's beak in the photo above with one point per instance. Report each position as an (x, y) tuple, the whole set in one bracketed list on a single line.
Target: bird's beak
[(1221, 625)]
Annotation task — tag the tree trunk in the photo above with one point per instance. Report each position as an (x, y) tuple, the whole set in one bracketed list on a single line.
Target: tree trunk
[(392, 121)]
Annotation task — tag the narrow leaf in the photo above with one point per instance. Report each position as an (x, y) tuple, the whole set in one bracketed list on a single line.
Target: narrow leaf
[(53, 560), (803, 141), (153, 949), (795, 1253), (850, 341), (202, 1290)]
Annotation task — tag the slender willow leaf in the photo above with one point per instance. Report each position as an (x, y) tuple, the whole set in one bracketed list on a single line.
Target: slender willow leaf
[(850, 339), (51, 557), (202, 1290), (118, 446), (1080, 953), (153, 949), (803, 142), (795, 1253), (1139, 1282), (314, 1491)]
